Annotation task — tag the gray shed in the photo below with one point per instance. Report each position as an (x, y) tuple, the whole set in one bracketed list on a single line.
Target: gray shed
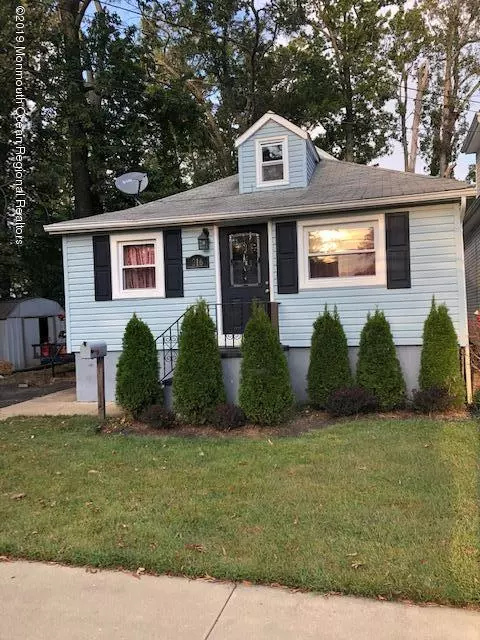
[(25, 322)]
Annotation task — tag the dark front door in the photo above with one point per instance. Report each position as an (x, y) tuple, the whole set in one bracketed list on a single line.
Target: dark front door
[(244, 273)]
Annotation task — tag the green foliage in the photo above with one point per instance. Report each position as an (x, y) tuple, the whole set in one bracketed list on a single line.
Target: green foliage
[(197, 378), (329, 367), (378, 368), (265, 392), (440, 361), (137, 369)]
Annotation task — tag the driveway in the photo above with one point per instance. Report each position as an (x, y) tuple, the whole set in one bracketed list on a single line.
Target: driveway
[(12, 394), (50, 602)]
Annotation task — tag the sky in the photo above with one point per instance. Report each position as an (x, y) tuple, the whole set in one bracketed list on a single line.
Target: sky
[(393, 160)]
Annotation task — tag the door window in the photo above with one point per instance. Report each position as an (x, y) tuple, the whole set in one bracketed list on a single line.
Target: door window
[(244, 259)]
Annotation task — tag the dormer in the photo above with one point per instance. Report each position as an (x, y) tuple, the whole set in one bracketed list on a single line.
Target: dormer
[(275, 154)]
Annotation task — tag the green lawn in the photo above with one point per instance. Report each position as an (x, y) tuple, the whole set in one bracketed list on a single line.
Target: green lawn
[(370, 507)]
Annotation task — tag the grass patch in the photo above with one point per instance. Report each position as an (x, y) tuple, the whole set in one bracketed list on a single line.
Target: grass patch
[(368, 507)]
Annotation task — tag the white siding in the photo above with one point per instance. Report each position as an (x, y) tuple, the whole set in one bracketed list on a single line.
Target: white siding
[(436, 269), (88, 319), (297, 159)]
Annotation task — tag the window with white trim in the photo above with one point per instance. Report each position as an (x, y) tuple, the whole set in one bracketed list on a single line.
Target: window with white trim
[(337, 253), (272, 161), (137, 265)]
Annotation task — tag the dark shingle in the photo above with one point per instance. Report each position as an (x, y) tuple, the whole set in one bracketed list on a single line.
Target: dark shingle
[(333, 182)]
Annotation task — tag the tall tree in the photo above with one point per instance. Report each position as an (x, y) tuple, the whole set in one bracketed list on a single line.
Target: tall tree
[(353, 36), (219, 50), (455, 33), (408, 41), (87, 200)]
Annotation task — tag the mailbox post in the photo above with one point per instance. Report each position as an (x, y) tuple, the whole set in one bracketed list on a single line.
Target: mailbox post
[(98, 351)]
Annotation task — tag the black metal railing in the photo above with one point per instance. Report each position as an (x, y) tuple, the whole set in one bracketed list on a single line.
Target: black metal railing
[(167, 344), (230, 319)]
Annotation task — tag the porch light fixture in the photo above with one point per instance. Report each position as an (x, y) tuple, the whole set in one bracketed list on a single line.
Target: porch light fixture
[(204, 240)]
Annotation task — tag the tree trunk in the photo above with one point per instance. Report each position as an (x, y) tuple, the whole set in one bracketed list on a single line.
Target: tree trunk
[(422, 83), (402, 108), (87, 203), (349, 155)]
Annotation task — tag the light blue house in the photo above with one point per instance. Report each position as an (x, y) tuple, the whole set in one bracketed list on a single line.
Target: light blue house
[(295, 229)]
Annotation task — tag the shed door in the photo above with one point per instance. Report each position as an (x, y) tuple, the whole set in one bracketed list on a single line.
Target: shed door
[(31, 335), (244, 273)]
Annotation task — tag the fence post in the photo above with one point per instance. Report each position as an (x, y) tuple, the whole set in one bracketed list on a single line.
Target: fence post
[(274, 316)]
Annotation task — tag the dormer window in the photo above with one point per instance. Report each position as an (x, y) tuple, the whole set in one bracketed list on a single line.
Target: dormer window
[(272, 161)]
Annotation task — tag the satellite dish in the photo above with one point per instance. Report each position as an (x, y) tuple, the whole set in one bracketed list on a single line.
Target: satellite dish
[(132, 183)]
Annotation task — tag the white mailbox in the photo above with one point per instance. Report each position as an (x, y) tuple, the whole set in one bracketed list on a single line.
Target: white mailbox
[(92, 350)]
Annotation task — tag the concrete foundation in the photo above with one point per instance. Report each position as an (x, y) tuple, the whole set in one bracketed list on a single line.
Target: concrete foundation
[(298, 359)]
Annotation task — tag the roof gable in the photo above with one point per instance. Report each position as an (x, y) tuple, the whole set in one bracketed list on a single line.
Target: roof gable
[(283, 122)]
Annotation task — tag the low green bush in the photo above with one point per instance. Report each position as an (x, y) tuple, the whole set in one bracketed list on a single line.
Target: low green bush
[(329, 367), (378, 368), (440, 360), (197, 378), (265, 392), (137, 384)]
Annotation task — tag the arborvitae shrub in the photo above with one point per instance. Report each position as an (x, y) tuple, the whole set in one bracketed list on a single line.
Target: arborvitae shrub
[(378, 368), (329, 367), (265, 392), (197, 378), (440, 361), (137, 369)]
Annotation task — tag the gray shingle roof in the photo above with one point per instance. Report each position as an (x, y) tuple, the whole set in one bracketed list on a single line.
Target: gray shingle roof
[(7, 307), (333, 182)]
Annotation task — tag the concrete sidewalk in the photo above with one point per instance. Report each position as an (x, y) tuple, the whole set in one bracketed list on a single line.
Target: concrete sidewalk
[(61, 403), (49, 602)]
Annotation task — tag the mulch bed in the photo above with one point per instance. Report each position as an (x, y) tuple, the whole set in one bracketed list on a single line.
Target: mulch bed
[(304, 420)]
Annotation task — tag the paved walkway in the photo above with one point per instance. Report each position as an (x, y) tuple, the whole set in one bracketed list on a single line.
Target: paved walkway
[(49, 602), (61, 403)]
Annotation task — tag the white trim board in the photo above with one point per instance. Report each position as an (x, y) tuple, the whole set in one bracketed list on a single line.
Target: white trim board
[(77, 227), (118, 240), (283, 140), (380, 277), (283, 122)]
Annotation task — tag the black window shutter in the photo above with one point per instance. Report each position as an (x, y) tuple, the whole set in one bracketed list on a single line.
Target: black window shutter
[(172, 243), (398, 250), (102, 267), (287, 263)]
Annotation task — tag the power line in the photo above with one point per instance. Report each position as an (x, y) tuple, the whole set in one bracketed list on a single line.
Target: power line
[(400, 85), (437, 93)]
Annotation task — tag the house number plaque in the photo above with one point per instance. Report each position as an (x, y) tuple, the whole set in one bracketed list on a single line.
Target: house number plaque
[(198, 262)]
